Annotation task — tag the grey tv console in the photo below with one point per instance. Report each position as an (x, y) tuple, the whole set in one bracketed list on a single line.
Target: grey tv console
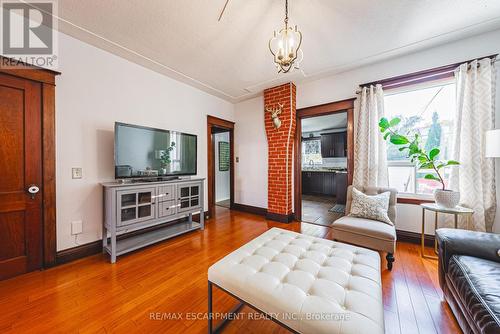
[(136, 206)]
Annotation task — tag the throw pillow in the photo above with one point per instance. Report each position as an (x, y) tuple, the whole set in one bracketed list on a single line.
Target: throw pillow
[(370, 207)]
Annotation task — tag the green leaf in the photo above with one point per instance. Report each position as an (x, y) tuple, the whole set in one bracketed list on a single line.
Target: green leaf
[(414, 149), (394, 122), (386, 135), (401, 149), (432, 177), (398, 139), (434, 153), (452, 163), (384, 124), (427, 165)]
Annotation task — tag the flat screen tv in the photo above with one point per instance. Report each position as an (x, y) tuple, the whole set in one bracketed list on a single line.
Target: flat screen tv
[(142, 152)]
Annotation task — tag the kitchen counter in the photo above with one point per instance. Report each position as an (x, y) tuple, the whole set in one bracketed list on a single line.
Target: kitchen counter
[(324, 170)]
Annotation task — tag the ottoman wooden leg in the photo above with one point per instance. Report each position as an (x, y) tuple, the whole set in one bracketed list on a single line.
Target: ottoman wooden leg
[(390, 259)]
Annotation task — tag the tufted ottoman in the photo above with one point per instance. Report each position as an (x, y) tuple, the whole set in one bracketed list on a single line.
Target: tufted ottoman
[(306, 284)]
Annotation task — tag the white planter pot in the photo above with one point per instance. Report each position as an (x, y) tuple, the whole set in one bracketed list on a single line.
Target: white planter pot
[(446, 198)]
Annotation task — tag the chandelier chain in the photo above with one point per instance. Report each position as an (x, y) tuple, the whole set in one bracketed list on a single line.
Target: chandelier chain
[(286, 12)]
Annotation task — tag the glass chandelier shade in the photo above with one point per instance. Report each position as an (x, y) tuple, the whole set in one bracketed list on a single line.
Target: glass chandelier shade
[(285, 46)]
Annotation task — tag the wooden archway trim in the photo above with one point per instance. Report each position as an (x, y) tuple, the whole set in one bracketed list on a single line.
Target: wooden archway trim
[(228, 125), (47, 80), (321, 110)]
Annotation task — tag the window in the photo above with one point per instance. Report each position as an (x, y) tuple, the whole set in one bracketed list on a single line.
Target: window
[(427, 110), (311, 151)]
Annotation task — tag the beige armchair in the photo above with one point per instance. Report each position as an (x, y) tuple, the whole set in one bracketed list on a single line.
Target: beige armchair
[(369, 233)]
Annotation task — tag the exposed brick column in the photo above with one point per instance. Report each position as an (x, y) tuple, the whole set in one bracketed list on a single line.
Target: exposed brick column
[(280, 152)]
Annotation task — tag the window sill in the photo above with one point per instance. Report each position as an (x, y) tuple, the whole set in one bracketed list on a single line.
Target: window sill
[(415, 199)]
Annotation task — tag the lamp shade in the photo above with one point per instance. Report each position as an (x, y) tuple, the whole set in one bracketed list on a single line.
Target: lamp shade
[(493, 143)]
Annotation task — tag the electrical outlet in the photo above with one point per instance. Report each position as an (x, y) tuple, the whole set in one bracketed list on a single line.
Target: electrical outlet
[(76, 227), (237, 159), (76, 173)]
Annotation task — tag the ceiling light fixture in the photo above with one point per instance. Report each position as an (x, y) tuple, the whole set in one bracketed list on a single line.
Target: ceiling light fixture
[(285, 46)]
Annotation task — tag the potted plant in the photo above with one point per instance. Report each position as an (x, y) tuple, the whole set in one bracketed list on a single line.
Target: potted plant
[(165, 158), (425, 160)]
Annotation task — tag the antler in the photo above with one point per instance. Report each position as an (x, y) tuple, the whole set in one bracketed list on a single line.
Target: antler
[(275, 111), (280, 108)]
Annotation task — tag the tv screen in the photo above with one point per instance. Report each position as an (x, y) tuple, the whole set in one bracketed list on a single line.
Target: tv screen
[(147, 152)]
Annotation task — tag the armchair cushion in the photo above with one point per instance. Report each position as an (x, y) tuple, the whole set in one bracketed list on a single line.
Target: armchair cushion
[(374, 207), (374, 191), (365, 232)]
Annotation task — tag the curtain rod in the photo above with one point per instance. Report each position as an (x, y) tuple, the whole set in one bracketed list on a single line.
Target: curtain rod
[(425, 75)]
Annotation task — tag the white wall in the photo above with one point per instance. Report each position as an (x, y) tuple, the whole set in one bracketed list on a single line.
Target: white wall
[(250, 146), (249, 114), (222, 178), (96, 89)]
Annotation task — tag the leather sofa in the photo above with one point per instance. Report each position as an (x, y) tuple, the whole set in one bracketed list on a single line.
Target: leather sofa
[(469, 275)]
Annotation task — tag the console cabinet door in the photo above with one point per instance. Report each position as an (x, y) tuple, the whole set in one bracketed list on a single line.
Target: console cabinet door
[(135, 205), (189, 196)]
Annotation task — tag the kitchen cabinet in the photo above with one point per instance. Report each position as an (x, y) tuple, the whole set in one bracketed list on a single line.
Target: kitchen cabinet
[(328, 187), (327, 145), (334, 145), (318, 183), (341, 188)]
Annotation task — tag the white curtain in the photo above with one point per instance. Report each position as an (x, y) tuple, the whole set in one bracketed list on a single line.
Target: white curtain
[(370, 153), (475, 177)]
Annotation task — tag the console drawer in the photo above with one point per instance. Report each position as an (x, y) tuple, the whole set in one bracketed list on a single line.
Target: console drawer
[(166, 193), (166, 209)]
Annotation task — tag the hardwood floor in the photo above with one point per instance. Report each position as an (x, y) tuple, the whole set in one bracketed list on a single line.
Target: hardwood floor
[(135, 294)]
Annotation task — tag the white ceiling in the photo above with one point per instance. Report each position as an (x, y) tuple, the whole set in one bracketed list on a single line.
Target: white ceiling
[(327, 122), (230, 58)]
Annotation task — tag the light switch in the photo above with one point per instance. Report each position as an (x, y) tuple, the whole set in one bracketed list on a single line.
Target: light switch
[(76, 173)]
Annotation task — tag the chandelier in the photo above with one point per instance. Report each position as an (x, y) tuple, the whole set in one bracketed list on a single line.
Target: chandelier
[(285, 46)]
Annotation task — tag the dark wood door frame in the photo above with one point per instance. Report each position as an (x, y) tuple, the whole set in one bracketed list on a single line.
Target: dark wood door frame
[(215, 122), (321, 110), (47, 80)]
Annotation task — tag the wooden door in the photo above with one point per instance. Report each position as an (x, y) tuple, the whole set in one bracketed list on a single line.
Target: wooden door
[(20, 168)]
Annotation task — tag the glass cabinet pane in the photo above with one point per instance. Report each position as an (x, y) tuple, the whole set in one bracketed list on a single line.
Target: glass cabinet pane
[(128, 214), (195, 191), (185, 204), (185, 192), (145, 197), (194, 201), (128, 199), (144, 211)]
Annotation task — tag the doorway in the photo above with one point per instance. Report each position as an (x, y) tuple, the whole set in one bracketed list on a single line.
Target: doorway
[(220, 147), (323, 161), (222, 159)]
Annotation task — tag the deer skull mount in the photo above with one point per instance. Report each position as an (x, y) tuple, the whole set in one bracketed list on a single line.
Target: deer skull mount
[(274, 115)]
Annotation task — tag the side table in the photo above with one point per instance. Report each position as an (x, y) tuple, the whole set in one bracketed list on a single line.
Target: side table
[(456, 211)]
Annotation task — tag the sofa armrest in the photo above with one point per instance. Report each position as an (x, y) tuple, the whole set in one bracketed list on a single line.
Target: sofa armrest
[(462, 242)]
